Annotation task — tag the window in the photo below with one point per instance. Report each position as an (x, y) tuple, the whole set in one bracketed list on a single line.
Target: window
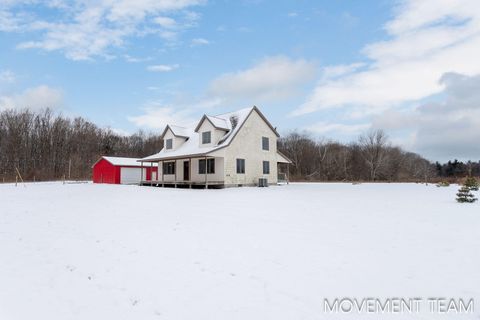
[(206, 137), (169, 168), (265, 144), (240, 165), (266, 167), (169, 143), (210, 166)]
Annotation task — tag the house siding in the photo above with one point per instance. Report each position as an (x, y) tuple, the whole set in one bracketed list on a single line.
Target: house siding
[(195, 176), (216, 133), (176, 141), (248, 145)]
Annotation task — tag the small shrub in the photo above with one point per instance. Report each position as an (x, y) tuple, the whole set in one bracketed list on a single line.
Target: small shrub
[(471, 183), (443, 184), (464, 195)]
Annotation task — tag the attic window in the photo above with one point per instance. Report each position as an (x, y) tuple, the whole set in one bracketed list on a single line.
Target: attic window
[(265, 143), (168, 144), (206, 137)]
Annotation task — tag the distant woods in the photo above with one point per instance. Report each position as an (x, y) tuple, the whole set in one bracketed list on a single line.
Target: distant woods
[(371, 158), (47, 146)]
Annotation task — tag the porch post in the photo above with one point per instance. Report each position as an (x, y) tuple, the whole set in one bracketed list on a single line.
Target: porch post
[(175, 171), (206, 167), (141, 172), (288, 173), (151, 174), (190, 172), (162, 174)]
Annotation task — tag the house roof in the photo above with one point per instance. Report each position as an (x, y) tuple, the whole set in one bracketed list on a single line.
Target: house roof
[(282, 158), (177, 131), (218, 123), (232, 122), (122, 161)]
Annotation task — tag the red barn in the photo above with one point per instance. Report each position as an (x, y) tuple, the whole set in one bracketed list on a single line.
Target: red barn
[(118, 170)]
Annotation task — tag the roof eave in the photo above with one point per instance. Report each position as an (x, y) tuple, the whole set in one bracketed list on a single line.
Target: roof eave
[(266, 121), (203, 119), (285, 157), (196, 155), (173, 132)]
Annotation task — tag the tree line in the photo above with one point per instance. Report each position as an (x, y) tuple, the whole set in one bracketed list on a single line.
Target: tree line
[(458, 169), (48, 146), (371, 158), (44, 145)]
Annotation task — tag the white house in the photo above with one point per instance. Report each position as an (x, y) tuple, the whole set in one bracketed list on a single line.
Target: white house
[(232, 149)]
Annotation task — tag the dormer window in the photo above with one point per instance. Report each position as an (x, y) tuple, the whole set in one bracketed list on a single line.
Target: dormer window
[(206, 137), (169, 144)]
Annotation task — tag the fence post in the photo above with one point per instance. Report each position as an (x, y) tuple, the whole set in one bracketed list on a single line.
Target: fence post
[(69, 169)]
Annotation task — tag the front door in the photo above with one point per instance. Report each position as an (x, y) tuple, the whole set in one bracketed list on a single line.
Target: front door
[(186, 170)]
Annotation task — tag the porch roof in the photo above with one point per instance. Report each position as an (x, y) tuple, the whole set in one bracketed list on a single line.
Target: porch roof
[(185, 156)]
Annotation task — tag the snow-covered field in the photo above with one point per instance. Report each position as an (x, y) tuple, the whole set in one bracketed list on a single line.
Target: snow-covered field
[(84, 251)]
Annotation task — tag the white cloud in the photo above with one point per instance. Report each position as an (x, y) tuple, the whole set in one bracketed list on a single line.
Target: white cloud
[(334, 72), (132, 59), (85, 29), (7, 76), (427, 39), (442, 130), (157, 117), (272, 79), (163, 67), (33, 98), (166, 22), (323, 128), (200, 42)]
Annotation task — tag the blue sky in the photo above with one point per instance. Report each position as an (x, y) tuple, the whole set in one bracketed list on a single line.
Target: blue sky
[(332, 68)]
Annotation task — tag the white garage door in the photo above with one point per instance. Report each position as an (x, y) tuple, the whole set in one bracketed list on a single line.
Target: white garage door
[(130, 175)]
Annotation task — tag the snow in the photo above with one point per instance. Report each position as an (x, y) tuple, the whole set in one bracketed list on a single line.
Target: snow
[(85, 251), (180, 131), (221, 123), (192, 146), (128, 162)]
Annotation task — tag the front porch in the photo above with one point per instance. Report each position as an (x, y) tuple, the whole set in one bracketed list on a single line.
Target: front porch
[(195, 172), (184, 184)]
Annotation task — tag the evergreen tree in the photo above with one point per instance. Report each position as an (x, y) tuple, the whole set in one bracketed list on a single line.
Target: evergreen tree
[(464, 195), (471, 183)]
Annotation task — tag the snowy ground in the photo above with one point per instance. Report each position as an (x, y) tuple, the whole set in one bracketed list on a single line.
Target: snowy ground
[(84, 251)]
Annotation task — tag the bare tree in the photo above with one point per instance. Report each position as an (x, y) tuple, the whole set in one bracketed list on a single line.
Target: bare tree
[(373, 147), (45, 146)]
